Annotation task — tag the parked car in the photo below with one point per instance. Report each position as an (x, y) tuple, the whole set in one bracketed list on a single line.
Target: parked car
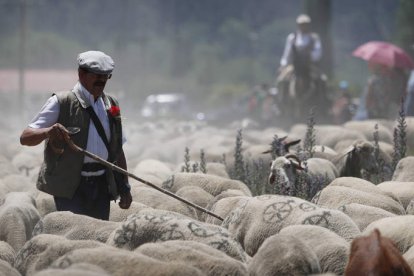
[(166, 105)]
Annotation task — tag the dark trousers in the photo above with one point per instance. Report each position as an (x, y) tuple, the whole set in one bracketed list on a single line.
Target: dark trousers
[(91, 198)]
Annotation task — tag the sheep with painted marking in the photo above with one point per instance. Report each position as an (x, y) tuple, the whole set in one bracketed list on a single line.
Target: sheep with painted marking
[(158, 225), (42, 250), (255, 219)]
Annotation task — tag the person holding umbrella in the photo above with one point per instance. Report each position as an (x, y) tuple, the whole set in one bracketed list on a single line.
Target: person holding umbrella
[(78, 183), (386, 86)]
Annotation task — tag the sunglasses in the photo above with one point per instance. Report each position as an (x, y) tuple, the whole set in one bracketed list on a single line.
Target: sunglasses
[(105, 76)]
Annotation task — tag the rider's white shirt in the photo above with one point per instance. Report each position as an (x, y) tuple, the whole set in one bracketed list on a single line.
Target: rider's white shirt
[(302, 40), (49, 114)]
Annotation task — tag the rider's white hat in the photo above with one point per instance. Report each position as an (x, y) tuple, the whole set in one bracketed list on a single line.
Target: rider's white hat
[(303, 19)]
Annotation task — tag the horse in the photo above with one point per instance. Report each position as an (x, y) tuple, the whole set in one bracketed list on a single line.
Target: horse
[(299, 95), (376, 255)]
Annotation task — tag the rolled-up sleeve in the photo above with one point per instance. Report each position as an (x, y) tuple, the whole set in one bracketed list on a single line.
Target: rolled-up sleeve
[(48, 115)]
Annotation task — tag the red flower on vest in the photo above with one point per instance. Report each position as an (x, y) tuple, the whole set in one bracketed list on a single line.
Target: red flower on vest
[(114, 110)]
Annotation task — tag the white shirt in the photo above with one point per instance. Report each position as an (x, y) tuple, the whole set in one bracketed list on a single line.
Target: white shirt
[(302, 40), (49, 114)]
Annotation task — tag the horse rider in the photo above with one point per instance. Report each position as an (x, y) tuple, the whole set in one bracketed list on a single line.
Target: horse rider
[(303, 50)]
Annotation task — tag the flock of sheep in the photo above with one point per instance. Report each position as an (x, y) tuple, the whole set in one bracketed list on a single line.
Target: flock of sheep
[(261, 234)]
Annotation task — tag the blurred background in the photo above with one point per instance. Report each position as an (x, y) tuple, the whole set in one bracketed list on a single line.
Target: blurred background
[(213, 52)]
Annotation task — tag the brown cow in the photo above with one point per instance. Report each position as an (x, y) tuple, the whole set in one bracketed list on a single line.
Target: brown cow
[(375, 255)]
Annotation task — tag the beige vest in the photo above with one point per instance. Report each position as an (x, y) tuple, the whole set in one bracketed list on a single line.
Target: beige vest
[(60, 173)]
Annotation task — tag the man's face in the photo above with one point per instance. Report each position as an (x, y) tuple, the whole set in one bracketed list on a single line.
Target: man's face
[(94, 83), (304, 27)]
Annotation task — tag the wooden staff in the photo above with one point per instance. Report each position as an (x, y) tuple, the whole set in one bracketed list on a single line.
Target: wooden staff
[(118, 169)]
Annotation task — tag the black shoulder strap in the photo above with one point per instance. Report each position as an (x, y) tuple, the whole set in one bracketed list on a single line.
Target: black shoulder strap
[(98, 127)]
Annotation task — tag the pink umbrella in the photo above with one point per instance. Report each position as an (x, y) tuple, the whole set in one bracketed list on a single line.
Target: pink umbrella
[(384, 53)]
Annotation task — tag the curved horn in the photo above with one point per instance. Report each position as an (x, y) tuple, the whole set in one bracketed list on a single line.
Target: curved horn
[(297, 164)]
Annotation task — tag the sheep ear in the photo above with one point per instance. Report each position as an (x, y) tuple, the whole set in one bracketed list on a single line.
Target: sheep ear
[(347, 151), (291, 143)]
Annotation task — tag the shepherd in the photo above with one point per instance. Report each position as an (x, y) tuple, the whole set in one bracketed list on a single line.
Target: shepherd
[(78, 183)]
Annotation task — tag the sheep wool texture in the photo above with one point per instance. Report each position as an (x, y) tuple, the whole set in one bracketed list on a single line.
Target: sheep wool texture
[(332, 250), (209, 260), (42, 250), (18, 217), (212, 184), (347, 190), (157, 225), (398, 229), (260, 217), (75, 227), (119, 262), (284, 255)]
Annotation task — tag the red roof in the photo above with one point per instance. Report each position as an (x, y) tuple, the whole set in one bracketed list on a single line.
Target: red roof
[(38, 81)]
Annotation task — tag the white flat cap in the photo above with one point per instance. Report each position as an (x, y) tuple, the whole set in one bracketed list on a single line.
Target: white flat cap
[(96, 62), (303, 19)]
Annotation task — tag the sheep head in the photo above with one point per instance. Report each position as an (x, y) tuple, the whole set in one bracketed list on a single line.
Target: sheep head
[(286, 168)]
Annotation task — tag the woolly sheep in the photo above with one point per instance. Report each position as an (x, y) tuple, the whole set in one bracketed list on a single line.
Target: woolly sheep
[(404, 191), (256, 219), (17, 183), (283, 254), (74, 226), (398, 229), (404, 170), (7, 270), (218, 169), (332, 250), (157, 225), (117, 214), (210, 183), (288, 169), (209, 260), (83, 269), (18, 217), (346, 190), (195, 195), (223, 205), (327, 135), (27, 163), (158, 200), (363, 215), (358, 156), (367, 128), (7, 253), (153, 167), (45, 203), (6, 167), (409, 257), (40, 252), (120, 262)]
